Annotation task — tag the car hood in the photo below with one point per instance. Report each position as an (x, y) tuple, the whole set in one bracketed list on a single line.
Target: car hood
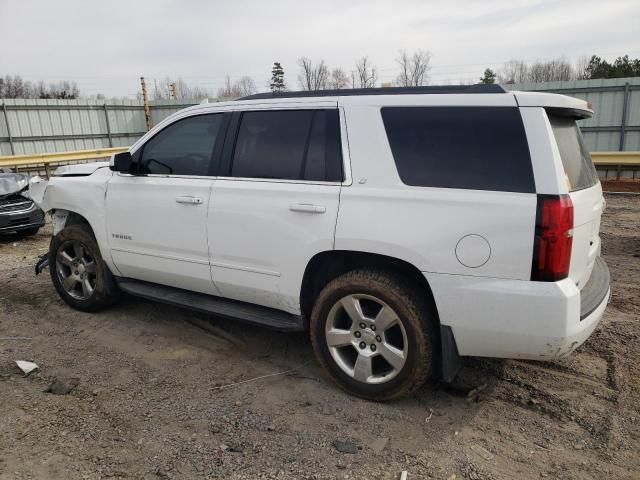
[(11, 183), (79, 169)]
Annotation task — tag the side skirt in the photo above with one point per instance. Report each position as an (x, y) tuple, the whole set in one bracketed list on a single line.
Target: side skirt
[(245, 312)]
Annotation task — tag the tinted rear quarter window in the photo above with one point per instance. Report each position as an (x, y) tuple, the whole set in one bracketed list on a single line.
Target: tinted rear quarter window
[(577, 163), (478, 148)]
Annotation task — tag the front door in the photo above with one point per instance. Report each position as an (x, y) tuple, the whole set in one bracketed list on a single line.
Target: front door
[(157, 219), (276, 204)]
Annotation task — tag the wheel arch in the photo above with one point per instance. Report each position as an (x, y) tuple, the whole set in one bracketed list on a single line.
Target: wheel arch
[(325, 266), (74, 217)]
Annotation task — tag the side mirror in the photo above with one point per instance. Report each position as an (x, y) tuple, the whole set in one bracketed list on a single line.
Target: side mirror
[(121, 162)]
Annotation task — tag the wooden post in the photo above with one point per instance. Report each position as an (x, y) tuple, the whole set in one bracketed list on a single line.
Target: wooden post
[(174, 91), (145, 99)]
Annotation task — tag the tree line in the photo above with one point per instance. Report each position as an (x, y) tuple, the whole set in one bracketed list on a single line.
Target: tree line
[(13, 86), (412, 70), (560, 69)]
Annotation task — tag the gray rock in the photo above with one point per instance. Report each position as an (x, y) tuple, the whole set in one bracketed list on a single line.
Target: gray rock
[(62, 386), (345, 446)]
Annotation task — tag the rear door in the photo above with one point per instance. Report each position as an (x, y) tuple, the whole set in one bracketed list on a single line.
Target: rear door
[(585, 192), (275, 203)]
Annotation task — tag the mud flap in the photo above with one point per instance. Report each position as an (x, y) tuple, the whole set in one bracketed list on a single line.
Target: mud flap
[(451, 362)]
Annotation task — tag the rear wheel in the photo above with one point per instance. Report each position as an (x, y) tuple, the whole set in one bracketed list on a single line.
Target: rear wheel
[(373, 331), (78, 272)]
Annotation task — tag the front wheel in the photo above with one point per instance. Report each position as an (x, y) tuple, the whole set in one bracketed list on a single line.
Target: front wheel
[(78, 272), (374, 331)]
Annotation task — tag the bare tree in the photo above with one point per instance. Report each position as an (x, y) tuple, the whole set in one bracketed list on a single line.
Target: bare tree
[(549, 71), (513, 71), (414, 68), (582, 67), (240, 88), (313, 77), (338, 79), (162, 89), (229, 90), (517, 71), (16, 87), (184, 90), (246, 86), (365, 74)]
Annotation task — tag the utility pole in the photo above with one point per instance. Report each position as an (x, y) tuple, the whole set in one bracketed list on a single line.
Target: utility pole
[(174, 91), (145, 100)]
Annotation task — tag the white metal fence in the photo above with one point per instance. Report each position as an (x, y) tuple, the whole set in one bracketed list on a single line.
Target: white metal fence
[(44, 126), (615, 125), (47, 126)]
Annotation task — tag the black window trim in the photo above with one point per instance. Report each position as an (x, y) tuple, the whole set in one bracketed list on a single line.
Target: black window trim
[(231, 139), (214, 158)]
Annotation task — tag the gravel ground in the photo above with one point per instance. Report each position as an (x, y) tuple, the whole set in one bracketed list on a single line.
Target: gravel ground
[(159, 398)]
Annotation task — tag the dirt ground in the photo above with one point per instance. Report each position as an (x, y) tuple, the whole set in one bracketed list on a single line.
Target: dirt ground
[(621, 185), (160, 398)]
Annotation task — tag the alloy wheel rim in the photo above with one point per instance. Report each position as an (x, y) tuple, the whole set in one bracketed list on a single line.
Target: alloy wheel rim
[(366, 338), (76, 269)]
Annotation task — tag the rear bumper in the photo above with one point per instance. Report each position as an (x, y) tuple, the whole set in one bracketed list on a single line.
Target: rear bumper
[(520, 319)]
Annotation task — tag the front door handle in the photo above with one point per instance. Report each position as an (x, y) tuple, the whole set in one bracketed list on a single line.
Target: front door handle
[(307, 208), (189, 200)]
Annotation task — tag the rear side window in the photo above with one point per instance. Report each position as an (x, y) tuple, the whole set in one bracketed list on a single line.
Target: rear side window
[(577, 163), (477, 148), (289, 145)]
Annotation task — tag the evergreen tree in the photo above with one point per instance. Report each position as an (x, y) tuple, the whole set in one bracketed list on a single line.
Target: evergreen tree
[(488, 77), (277, 78), (621, 67)]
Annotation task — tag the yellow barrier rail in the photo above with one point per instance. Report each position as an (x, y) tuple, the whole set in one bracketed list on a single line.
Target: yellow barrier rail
[(619, 160), (629, 159), (59, 157)]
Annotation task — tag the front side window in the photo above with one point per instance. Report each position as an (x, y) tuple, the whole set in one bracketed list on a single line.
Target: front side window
[(288, 145), (476, 148), (183, 148)]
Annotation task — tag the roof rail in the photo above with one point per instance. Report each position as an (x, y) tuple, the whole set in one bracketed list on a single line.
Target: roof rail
[(431, 89)]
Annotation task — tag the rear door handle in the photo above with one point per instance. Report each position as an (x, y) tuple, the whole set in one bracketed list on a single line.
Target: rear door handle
[(189, 200), (307, 208)]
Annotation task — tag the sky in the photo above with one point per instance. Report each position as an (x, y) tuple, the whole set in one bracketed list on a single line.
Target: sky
[(105, 46)]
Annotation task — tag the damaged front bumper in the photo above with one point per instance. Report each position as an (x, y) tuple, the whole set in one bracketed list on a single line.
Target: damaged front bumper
[(17, 210), (18, 213)]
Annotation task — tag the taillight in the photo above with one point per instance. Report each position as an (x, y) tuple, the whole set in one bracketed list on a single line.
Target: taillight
[(553, 238)]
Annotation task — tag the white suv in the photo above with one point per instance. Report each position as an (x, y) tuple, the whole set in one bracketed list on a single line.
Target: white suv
[(403, 228)]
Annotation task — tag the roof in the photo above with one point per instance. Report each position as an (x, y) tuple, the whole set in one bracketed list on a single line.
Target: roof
[(435, 89)]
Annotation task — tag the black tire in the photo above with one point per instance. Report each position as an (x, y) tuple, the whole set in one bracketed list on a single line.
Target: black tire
[(414, 310), (105, 291), (29, 232)]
